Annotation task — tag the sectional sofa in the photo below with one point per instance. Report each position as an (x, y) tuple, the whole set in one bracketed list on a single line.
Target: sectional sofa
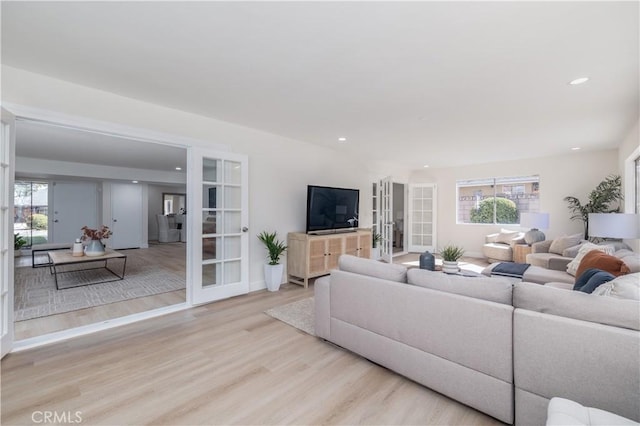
[(501, 348)]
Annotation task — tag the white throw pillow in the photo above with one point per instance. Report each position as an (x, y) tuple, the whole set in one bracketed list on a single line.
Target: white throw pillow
[(622, 287), (505, 236), (572, 267)]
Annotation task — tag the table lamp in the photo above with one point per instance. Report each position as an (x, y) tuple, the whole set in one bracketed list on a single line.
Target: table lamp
[(534, 221), (614, 225)]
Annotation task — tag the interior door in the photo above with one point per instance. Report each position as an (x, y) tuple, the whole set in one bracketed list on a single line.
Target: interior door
[(126, 216), (219, 195), (386, 219), (75, 204), (7, 155), (422, 217)]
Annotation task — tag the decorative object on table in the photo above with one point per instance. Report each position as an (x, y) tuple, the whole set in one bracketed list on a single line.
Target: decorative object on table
[(427, 261), (376, 238), (94, 237), (18, 243), (534, 221), (614, 225), (273, 269), (602, 199), (450, 255), (78, 249)]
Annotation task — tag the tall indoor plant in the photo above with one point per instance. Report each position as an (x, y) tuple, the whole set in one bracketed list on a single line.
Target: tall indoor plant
[(605, 198), (273, 269), (376, 239)]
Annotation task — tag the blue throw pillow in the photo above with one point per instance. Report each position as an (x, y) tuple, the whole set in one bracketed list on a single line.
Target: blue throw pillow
[(591, 279)]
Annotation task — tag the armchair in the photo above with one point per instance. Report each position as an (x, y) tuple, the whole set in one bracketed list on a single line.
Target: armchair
[(166, 233), (498, 247)]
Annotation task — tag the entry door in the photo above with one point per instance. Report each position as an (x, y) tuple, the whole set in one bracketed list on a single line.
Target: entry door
[(126, 216), (422, 217), (7, 156), (219, 197), (386, 219), (75, 204)]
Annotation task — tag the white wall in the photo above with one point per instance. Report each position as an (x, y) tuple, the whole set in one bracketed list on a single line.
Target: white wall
[(628, 151), (575, 174), (279, 168)]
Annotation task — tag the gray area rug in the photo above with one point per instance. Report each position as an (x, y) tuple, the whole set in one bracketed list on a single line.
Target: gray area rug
[(298, 314), (36, 295)]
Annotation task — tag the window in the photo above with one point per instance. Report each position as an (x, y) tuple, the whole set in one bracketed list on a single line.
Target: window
[(31, 211), (497, 200)]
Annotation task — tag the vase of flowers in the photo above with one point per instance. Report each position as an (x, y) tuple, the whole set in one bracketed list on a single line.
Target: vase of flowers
[(93, 238)]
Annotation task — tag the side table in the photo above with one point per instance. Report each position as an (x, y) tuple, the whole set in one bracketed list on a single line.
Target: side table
[(520, 252)]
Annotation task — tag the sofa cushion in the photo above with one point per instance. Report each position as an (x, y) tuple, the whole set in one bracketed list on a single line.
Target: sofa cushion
[(572, 251), (560, 244), (577, 305), (373, 268), (572, 267), (591, 278), (623, 287), (497, 290), (630, 258), (505, 236), (596, 259)]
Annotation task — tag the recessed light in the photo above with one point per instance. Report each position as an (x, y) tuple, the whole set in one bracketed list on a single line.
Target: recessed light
[(425, 166), (575, 148), (134, 181), (579, 81), (342, 139), (178, 168)]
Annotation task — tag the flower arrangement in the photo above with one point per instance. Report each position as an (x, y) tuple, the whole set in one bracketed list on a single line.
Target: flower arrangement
[(94, 234)]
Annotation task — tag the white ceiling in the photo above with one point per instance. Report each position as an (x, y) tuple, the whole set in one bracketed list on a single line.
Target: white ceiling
[(439, 83)]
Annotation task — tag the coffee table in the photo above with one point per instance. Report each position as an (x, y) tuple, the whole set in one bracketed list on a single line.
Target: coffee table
[(60, 260)]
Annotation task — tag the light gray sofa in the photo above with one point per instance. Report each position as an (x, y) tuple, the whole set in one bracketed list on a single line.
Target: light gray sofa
[(498, 247), (467, 338), (542, 257)]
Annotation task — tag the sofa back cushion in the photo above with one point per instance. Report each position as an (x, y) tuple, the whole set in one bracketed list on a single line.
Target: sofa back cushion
[(572, 267), (497, 290), (605, 262), (559, 245), (373, 268), (577, 305), (505, 236), (630, 258)]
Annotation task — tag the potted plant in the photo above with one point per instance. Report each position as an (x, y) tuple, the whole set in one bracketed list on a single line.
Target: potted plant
[(450, 255), (273, 269), (376, 239), (18, 243), (94, 238)]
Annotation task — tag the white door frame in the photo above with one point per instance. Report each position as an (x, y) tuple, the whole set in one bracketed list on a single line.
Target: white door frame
[(7, 177), (386, 219), (22, 112)]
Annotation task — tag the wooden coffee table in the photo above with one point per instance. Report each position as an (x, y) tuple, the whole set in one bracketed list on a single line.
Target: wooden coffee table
[(61, 259)]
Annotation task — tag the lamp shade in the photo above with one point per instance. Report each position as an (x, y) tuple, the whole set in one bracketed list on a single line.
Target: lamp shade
[(534, 220), (614, 225)]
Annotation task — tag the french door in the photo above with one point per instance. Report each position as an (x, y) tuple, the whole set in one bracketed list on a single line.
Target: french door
[(7, 154), (219, 223), (422, 217), (386, 219)]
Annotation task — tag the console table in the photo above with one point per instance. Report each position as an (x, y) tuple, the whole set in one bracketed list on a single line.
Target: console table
[(310, 256)]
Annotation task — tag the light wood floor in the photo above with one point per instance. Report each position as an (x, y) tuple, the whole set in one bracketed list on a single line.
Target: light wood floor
[(222, 363), (168, 256)]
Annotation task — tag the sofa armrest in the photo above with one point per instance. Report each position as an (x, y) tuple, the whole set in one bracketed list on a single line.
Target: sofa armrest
[(322, 301), (491, 238), (516, 241), (541, 246)]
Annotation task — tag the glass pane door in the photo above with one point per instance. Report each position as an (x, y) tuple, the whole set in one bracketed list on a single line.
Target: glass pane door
[(7, 153), (422, 217), (221, 244), (386, 219)]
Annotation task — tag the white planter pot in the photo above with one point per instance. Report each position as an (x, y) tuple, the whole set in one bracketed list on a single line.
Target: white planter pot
[(375, 253), (273, 276), (450, 267)]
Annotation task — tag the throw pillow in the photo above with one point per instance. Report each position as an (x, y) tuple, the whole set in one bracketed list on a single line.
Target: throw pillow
[(623, 287), (605, 262), (591, 279), (505, 236), (562, 243), (572, 267)]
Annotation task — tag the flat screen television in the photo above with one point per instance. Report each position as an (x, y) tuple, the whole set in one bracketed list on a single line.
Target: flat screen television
[(331, 209)]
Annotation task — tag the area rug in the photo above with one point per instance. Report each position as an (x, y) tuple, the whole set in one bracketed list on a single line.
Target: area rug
[(298, 314), (36, 295)]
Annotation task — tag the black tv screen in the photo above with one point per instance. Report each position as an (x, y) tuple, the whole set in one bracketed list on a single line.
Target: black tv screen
[(331, 208)]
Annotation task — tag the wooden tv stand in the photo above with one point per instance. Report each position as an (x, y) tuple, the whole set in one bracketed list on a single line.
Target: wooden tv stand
[(310, 256)]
